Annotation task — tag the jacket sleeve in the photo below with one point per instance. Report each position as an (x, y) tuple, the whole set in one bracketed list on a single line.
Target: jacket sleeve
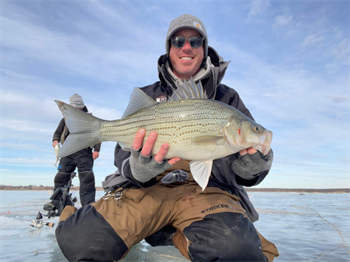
[(59, 130), (258, 178), (97, 147)]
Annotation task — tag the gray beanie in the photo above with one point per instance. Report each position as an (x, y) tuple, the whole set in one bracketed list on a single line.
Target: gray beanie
[(76, 101), (187, 21)]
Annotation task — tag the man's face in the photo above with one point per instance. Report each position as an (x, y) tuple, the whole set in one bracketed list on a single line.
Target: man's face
[(186, 61)]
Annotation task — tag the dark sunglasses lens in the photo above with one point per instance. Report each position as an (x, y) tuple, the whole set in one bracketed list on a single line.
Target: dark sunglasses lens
[(178, 41), (196, 42)]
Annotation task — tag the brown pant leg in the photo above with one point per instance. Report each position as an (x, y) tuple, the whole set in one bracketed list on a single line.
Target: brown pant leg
[(181, 243), (194, 207), (137, 214), (67, 212), (268, 248)]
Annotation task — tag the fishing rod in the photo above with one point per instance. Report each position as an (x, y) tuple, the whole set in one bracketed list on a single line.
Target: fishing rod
[(63, 196)]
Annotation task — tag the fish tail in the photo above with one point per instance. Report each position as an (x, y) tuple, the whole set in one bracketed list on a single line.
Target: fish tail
[(84, 129)]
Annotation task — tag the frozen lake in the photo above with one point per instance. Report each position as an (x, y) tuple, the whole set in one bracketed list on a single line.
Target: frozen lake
[(304, 227)]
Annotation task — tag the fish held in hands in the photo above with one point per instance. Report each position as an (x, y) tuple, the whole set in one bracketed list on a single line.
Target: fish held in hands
[(195, 128), (57, 150)]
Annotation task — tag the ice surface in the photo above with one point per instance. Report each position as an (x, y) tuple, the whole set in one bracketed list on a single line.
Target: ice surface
[(305, 227)]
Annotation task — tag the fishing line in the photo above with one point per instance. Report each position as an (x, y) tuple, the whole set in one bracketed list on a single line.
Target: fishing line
[(340, 234)]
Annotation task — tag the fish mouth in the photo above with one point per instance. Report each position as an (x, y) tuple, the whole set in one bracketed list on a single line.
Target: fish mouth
[(265, 143)]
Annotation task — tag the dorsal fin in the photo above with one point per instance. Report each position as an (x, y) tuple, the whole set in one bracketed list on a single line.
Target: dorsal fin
[(188, 90), (138, 100)]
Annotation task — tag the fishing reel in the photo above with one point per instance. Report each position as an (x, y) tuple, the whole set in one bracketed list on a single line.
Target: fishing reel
[(39, 223), (67, 200)]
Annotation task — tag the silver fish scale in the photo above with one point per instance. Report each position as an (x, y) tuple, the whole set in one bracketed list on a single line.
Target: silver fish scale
[(177, 123)]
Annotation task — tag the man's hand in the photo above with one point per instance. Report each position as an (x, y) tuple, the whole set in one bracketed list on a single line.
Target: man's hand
[(54, 143), (249, 150), (148, 146), (249, 163), (143, 165), (95, 155)]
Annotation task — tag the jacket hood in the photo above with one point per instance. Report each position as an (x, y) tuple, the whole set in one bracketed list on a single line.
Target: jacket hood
[(212, 72)]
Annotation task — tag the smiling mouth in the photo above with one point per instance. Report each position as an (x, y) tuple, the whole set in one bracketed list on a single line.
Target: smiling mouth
[(186, 58)]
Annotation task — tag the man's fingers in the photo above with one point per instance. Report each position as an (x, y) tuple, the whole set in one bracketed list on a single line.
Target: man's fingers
[(162, 152), (147, 147), (159, 157), (249, 151), (243, 152), (174, 160), (136, 145)]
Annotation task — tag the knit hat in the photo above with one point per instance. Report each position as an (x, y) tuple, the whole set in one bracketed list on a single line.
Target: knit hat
[(187, 21), (76, 101)]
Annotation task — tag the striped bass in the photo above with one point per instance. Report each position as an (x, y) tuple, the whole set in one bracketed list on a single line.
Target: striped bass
[(195, 127)]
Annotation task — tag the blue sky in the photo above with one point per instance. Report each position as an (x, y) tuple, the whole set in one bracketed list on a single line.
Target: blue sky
[(289, 63)]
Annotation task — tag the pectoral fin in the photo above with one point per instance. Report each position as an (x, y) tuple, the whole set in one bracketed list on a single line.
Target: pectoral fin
[(217, 140), (201, 171)]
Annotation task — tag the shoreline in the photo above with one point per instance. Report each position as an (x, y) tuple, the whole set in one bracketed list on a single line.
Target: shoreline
[(248, 189)]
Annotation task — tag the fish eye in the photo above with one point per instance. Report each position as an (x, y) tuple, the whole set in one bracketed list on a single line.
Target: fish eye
[(256, 129)]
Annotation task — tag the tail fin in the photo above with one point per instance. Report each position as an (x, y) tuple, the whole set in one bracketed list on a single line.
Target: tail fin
[(84, 129)]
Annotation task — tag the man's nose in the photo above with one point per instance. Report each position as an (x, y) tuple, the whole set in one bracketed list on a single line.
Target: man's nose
[(187, 45)]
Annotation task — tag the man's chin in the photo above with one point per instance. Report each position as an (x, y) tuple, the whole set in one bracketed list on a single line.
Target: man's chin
[(185, 74)]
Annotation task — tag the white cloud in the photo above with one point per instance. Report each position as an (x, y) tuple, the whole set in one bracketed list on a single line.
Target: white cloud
[(342, 51), (340, 98), (25, 126), (21, 161), (28, 146), (312, 40), (282, 21), (16, 75), (18, 99), (258, 7), (105, 113), (66, 52), (47, 159)]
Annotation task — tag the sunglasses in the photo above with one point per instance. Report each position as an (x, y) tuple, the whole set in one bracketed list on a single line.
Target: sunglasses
[(179, 41)]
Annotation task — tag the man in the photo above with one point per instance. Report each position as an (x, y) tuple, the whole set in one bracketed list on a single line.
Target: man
[(213, 225), (83, 160)]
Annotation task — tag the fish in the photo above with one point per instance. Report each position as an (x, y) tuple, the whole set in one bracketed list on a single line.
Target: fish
[(57, 149), (196, 128)]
